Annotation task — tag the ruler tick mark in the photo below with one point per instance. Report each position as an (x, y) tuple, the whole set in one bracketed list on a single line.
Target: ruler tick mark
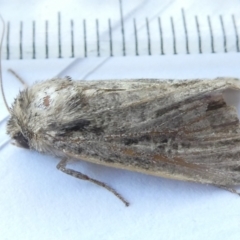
[(46, 38), (160, 35), (224, 34), (122, 29), (174, 38), (20, 40), (59, 36), (211, 34), (236, 33), (85, 37), (185, 30), (72, 38), (148, 37), (110, 37), (199, 35), (33, 40), (98, 40), (136, 36)]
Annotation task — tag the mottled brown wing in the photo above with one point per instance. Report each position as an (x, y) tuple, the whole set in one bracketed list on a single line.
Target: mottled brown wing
[(188, 134)]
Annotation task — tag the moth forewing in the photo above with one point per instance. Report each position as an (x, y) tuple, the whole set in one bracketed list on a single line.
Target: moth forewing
[(187, 141)]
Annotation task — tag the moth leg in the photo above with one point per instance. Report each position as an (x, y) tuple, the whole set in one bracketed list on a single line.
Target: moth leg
[(232, 190), (18, 77), (62, 167)]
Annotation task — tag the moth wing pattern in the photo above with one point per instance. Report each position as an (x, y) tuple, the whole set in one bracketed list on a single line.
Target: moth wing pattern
[(181, 130), (176, 129)]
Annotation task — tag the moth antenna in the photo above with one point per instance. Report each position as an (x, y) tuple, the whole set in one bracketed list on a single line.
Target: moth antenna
[(18, 77), (1, 81)]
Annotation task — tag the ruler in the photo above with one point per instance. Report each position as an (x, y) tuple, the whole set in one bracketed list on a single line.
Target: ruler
[(155, 35)]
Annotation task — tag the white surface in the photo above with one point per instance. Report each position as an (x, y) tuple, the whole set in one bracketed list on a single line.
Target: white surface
[(39, 202)]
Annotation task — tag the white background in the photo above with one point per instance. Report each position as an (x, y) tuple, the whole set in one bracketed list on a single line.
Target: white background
[(39, 202)]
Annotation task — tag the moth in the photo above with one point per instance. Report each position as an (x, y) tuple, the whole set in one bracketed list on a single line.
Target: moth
[(175, 129)]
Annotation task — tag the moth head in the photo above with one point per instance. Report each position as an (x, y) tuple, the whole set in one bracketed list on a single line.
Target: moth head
[(17, 126), (20, 140)]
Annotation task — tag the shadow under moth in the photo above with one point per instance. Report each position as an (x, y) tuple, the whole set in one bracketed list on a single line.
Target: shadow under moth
[(175, 129)]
